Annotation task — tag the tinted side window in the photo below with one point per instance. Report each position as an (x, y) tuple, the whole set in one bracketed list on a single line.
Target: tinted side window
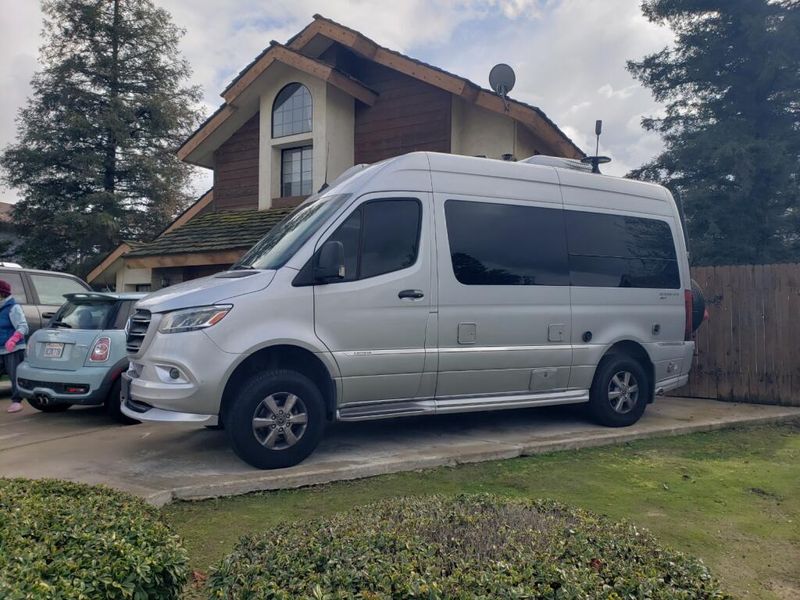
[(17, 288), (390, 238), (620, 251), (380, 236), (51, 288), (503, 244)]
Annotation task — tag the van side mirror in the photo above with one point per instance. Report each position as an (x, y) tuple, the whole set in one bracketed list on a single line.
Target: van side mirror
[(330, 262)]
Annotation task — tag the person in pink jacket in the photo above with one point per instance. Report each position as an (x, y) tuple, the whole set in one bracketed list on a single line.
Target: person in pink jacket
[(13, 329)]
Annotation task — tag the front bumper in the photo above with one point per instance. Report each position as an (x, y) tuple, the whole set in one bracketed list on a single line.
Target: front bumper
[(144, 412), (195, 396), (50, 383)]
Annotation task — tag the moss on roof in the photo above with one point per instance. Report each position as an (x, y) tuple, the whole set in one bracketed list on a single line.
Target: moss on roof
[(215, 231)]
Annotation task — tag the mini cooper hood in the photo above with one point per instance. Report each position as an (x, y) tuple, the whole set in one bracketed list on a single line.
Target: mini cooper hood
[(206, 291)]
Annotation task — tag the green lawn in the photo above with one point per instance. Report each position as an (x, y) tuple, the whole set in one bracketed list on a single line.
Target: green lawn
[(731, 497)]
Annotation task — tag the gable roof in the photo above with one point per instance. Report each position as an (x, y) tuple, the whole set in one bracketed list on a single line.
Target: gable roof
[(213, 232), (274, 53), (530, 116)]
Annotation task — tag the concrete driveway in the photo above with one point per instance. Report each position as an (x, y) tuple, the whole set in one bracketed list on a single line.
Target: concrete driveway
[(162, 463)]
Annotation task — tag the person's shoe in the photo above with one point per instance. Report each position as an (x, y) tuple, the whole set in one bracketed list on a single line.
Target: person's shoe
[(15, 407)]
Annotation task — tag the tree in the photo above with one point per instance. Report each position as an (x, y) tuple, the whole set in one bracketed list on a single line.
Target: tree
[(731, 128), (95, 157)]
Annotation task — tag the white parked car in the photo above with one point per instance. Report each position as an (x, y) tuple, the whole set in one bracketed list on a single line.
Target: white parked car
[(428, 283)]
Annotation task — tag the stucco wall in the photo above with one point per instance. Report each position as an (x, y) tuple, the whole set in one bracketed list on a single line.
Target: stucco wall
[(128, 279), (476, 131), (332, 126)]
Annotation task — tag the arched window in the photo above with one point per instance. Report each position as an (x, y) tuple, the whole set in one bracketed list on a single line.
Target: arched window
[(291, 112)]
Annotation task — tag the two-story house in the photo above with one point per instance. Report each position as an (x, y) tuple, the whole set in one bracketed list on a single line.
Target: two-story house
[(299, 115)]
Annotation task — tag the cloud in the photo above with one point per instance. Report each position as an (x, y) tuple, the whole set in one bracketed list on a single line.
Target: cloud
[(569, 55)]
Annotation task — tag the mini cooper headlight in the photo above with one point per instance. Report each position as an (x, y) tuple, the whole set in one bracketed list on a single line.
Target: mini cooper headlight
[(192, 319)]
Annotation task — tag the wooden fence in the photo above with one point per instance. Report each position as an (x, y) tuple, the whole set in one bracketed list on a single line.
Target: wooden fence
[(749, 349)]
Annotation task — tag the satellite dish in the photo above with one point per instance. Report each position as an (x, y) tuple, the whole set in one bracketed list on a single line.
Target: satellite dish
[(502, 79)]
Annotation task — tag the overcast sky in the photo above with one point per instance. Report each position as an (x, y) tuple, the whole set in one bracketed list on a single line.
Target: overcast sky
[(569, 55)]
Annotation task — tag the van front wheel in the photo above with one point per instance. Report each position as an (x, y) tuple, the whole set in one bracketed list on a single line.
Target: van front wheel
[(620, 391), (277, 419)]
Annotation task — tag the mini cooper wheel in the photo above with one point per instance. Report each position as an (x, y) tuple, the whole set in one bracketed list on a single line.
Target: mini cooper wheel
[(113, 405), (277, 419), (620, 391)]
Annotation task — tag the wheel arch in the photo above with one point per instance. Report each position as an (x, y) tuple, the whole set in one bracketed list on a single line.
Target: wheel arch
[(639, 353), (290, 356)]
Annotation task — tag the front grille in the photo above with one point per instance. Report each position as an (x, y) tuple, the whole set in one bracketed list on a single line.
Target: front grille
[(137, 330)]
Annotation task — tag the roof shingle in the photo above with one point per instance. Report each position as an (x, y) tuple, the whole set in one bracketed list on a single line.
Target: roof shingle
[(215, 231)]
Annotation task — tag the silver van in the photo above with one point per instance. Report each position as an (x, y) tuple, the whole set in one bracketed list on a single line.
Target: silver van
[(427, 283)]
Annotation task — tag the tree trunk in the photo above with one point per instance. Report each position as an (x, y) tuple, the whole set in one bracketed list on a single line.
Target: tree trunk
[(110, 163)]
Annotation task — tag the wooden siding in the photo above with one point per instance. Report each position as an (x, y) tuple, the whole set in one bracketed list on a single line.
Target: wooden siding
[(236, 169), (747, 350), (408, 115)]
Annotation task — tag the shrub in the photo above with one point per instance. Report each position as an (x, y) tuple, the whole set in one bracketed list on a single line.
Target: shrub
[(459, 548), (67, 540)]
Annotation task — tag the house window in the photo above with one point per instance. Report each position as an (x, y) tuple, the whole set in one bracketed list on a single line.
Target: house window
[(292, 111), (296, 171)]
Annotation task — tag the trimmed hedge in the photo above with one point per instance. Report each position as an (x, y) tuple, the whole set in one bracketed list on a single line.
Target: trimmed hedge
[(67, 540), (465, 547)]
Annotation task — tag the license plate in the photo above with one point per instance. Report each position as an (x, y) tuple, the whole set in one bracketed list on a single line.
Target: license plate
[(53, 350)]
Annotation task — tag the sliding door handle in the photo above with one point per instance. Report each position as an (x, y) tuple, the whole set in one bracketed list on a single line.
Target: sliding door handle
[(411, 294)]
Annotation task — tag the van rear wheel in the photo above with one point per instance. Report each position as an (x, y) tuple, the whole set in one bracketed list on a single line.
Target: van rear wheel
[(620, 391), (276, 420)]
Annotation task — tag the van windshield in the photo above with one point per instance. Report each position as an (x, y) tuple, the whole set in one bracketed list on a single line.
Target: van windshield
[(282, 241)]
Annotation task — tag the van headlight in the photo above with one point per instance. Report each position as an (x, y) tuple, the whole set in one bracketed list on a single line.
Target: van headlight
[(192, 319)]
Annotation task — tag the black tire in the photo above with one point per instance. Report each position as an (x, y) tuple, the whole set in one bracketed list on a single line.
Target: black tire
[(252, 444), (113, 405), (48, 408), (614, 410)]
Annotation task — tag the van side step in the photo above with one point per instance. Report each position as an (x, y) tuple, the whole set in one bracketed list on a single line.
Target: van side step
[(366, 411)]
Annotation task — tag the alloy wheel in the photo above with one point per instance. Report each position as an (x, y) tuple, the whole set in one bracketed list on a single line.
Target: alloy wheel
[(623, 392), (280, 420)]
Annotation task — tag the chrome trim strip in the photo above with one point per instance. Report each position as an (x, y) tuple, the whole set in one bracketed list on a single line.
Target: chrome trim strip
[(512, 401), (398, 351)]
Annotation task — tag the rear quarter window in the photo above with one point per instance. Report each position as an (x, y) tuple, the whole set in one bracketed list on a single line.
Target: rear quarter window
[(620, 251)]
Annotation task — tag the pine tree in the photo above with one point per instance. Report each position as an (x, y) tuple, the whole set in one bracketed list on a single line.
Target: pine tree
[(94, 158), (731, 87)]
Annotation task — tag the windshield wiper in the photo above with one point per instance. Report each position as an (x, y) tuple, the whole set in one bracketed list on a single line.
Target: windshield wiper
[(240, 267), (60, 324)]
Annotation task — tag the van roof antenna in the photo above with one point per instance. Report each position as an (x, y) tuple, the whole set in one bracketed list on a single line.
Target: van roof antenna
[(596, 160), (324, 185), (502, 80)]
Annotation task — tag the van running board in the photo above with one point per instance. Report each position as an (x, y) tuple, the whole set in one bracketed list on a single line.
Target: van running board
[(456, 404)]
